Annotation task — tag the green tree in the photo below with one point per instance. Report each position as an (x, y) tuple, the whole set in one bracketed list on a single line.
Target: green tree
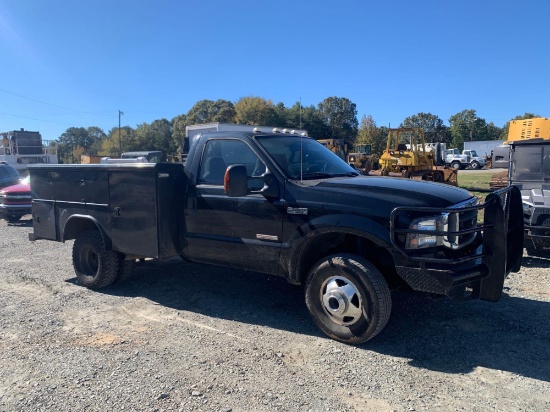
[(369, 133), (306, 117), (339, 114), (155, 136), (434, 129), (493, 132), (97, 135), (223, 111), (178, 132), (466, 126), (73, 141), (209, 111), (255, 111), (116, 142)]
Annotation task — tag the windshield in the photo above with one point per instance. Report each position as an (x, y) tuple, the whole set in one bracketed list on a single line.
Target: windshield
[(473, 153), (315, 161)]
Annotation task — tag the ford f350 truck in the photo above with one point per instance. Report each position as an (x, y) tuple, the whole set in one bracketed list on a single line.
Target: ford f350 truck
[(284, 205)]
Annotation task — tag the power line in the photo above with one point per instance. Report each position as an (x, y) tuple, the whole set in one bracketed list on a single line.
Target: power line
[(32, 118), (40, 101)]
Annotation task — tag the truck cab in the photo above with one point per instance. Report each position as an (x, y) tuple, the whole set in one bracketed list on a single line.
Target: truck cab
[(476, 161)]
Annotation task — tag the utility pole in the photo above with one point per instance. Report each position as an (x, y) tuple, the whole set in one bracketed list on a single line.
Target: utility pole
[(119, 138)]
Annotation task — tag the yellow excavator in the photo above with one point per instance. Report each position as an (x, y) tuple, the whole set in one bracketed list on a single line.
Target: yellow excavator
[(407, 156)]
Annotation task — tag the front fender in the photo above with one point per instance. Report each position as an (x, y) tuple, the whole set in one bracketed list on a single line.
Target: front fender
[(359, 226)]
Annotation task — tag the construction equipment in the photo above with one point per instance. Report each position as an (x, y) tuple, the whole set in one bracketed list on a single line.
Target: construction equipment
[(530, 172), (362, 158), (525, 130), (336, 146), (528, 154), (359, 157), (407, 156)]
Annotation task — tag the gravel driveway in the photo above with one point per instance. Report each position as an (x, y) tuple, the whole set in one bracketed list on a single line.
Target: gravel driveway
[(182, 336)]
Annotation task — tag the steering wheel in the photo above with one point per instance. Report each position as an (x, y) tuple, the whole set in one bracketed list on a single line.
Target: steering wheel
[(320, 166)]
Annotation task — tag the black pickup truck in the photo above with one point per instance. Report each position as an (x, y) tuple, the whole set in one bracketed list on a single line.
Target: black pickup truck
[(285, 205)]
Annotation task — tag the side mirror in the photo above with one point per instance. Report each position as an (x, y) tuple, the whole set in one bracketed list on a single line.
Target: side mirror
[(271, 186), (235, 181)]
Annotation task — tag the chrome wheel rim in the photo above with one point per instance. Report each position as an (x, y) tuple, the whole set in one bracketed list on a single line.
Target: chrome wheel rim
[(341, 300)]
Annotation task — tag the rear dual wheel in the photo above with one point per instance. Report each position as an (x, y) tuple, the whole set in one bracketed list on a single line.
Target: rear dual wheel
[(348, 298)]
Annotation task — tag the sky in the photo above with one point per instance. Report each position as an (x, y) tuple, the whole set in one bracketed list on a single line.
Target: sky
[(77, 63)]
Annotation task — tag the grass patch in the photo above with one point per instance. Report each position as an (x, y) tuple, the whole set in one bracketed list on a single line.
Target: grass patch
[(474, 181), (478, 184)]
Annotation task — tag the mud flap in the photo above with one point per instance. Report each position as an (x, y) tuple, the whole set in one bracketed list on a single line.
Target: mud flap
[(503, 242)]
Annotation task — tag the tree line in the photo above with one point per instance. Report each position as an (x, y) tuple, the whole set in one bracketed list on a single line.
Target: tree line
[(333, 118)]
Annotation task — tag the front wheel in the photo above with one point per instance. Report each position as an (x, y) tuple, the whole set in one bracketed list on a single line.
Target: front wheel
[(94, 266), (475, 165), (456, 165), (348, 298)]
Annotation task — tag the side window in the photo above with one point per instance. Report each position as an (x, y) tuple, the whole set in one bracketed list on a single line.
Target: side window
[(220, 154)]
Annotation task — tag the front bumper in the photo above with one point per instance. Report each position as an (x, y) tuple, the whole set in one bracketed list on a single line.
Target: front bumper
[(478, 269), (15, 210)]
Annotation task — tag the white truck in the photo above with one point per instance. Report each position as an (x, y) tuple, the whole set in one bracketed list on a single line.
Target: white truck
[(465, 159), (456, 160), (476, 161)]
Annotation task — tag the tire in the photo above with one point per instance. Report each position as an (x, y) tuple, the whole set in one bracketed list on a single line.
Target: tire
[(125, 269), (456, 165), (474, 165), (94, 266), (12, 218), (348, 298)]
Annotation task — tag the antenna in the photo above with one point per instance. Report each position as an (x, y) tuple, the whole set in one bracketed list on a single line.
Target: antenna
[(301, 140), (300, 112)]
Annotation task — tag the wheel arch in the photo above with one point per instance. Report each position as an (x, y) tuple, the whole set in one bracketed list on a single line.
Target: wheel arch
[(341, 234), (77, 224)]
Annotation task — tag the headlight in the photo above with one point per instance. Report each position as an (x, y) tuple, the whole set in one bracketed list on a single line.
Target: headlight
[(432, 223), (527, 206)]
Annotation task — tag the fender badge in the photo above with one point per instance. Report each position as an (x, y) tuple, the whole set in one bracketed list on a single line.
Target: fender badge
[(297, 210), (266, 237)]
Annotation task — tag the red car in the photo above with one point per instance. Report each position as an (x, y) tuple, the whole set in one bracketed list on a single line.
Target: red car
[(15, 201)]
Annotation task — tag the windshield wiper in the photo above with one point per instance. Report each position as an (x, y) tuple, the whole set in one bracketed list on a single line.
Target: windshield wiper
[(321, 175), (350, 174), (328, 175)]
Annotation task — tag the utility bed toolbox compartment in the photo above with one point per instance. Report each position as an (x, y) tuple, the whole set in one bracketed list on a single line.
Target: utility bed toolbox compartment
[(138, 208)]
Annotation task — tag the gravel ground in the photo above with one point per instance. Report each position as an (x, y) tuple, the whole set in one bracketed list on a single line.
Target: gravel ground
[(186, 337)]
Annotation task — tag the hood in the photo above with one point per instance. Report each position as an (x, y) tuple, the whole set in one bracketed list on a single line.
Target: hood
[(19, 188), (398, 191), (372, 197)]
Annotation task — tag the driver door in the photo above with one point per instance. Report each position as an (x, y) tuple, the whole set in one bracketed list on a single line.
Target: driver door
[(244, 231)]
